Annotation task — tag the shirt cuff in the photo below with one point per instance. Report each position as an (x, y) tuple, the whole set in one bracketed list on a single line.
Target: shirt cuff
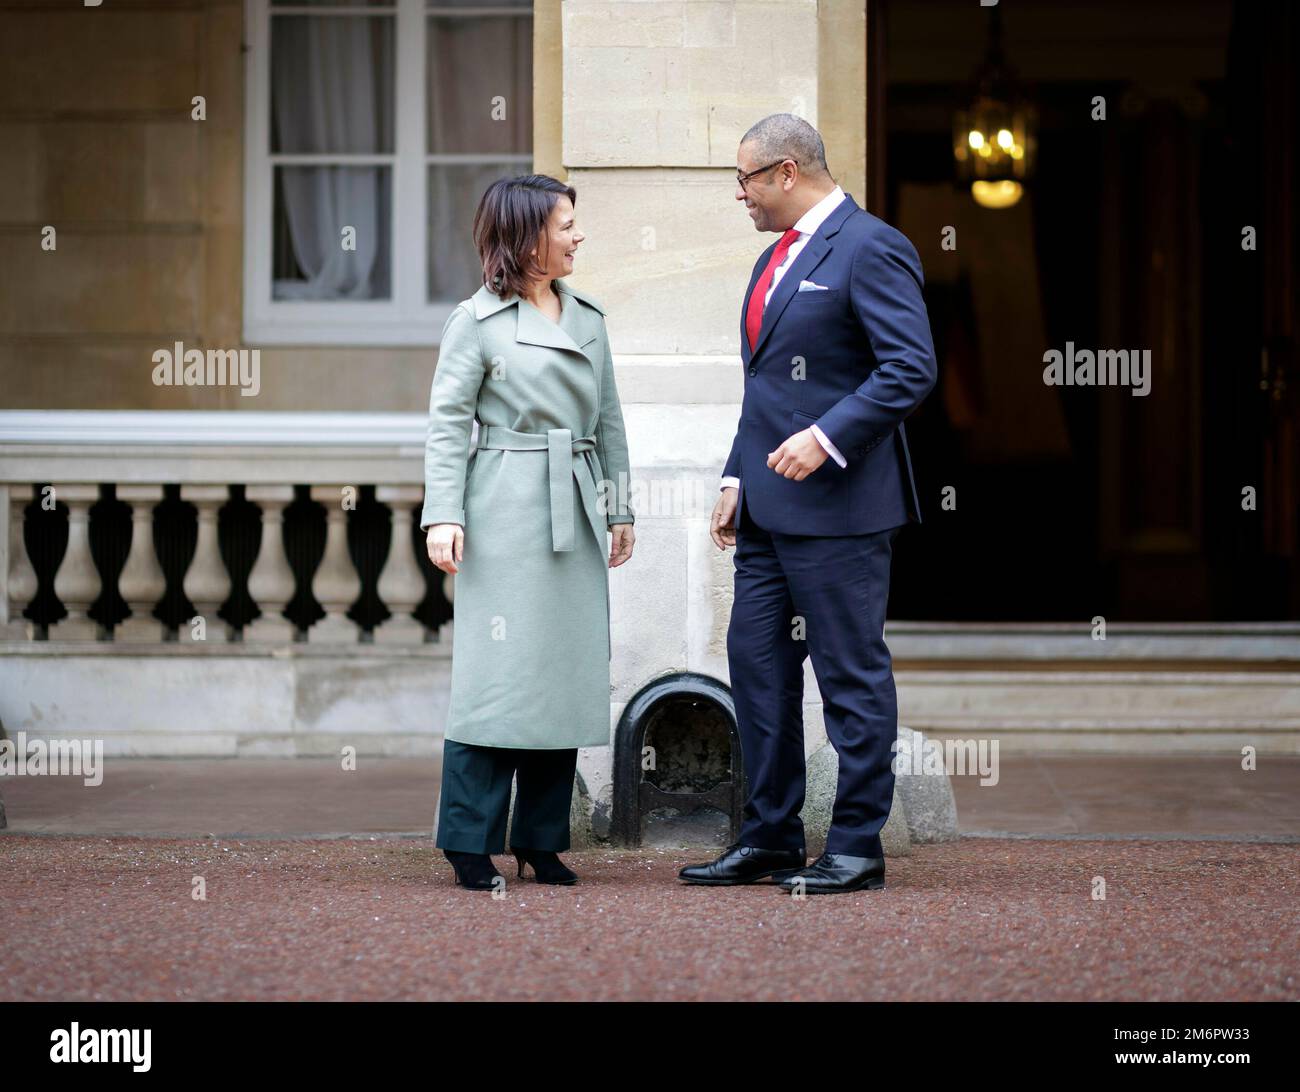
[(730, 482), (831, 449)]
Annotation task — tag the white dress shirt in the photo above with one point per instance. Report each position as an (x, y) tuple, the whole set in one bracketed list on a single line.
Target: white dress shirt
[(806, 226)]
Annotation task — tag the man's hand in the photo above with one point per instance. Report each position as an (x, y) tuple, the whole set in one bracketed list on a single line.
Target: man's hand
[(798, 457), (620, 549), (445, 543), (722, 525)]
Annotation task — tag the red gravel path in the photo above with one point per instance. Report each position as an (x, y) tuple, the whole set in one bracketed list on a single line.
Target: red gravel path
[(93, 918)]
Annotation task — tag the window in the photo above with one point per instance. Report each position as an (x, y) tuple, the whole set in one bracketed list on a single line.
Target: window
[(373, 126)]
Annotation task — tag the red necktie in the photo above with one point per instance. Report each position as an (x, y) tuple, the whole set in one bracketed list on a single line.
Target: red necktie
[(757, 298)]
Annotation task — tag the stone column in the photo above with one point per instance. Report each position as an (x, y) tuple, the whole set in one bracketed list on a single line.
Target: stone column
[(77, 583), (653, 101), (270, 582), (401, 584), (207, 584), (142, 582), (335, 583), (20, 585)]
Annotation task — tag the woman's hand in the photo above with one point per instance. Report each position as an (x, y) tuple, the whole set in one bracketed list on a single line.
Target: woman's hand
[(620, 549), (445, 543)]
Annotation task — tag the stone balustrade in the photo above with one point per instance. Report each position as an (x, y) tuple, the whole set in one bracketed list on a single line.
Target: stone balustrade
[(58, 466), (320, 619)]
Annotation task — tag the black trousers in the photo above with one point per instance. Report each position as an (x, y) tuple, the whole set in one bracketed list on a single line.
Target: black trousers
[(475, 797)]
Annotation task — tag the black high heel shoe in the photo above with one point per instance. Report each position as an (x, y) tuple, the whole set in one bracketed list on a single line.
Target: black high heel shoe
[(546, 865), (473, 870)]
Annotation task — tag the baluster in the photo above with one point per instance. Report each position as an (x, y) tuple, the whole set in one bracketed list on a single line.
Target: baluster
[(401, 585), (77, 582), (335, 583), (142, 582), (270, 583), (21, 581), (206, 583)]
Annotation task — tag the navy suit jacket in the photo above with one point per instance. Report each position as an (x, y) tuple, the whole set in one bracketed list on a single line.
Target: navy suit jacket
[(855, 360)]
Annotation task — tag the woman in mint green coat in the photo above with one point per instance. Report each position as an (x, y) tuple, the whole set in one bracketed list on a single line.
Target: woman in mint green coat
[(522, 518)]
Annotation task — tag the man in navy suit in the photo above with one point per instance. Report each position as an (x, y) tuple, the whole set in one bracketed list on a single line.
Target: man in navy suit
[(837, 351)]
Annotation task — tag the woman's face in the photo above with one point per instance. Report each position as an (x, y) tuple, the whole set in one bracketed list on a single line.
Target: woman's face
[(560, 238)]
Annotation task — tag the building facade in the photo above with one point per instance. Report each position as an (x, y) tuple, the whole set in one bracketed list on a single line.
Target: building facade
[(294, 182)]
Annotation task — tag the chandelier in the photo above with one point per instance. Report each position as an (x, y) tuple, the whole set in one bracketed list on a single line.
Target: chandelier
[(994, 137)]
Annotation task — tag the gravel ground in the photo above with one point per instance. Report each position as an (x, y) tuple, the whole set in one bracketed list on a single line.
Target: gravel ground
[(97, 918)]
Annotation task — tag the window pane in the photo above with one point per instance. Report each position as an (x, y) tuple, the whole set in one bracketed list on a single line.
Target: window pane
[(455, 272), (332, 84), (313, 258), (478, 69)]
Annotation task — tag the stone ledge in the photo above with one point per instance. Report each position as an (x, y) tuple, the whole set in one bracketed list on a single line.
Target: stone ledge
[(1108, 711), (237, 650), (1193, 642), (381, 700)]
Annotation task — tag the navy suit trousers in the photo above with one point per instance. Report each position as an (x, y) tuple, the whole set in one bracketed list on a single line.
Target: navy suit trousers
[(837, 586)]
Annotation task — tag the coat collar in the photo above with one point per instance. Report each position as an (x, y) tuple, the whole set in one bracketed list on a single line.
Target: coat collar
[(576, 331), (487, 302)]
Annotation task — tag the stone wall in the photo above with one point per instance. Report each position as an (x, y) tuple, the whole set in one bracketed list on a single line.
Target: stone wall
[(639, 102)]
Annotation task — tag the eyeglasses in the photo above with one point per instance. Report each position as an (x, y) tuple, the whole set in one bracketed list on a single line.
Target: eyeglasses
[(742, 180)]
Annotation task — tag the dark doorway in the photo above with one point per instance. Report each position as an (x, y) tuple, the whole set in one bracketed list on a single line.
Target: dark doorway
[(1075, 501)]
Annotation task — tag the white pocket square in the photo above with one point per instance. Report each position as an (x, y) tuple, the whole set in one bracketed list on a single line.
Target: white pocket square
[(812, 286)]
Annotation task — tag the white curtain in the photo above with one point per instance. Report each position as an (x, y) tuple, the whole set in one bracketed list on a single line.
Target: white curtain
[(332, 93), (471, 61)]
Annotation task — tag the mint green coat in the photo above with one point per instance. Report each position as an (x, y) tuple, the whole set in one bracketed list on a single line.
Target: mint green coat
[(536, 496)]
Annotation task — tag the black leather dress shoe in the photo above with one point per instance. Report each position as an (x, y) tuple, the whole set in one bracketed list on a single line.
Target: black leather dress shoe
[(833, 872), (745, 864)]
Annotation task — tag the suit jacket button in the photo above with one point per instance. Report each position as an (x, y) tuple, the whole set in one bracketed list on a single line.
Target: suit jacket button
[(753, 371)]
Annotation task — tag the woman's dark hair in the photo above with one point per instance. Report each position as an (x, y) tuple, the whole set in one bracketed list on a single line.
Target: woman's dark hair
[(510, 220)]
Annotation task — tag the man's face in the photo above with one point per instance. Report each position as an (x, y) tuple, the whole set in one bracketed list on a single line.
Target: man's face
[(765, 195)]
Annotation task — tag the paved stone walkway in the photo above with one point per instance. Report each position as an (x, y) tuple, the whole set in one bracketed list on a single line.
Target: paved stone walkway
[(1191, 796), (1199, 867), (976, 919)]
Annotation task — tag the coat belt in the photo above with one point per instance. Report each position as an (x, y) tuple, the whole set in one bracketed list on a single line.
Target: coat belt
[(562, 449)]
